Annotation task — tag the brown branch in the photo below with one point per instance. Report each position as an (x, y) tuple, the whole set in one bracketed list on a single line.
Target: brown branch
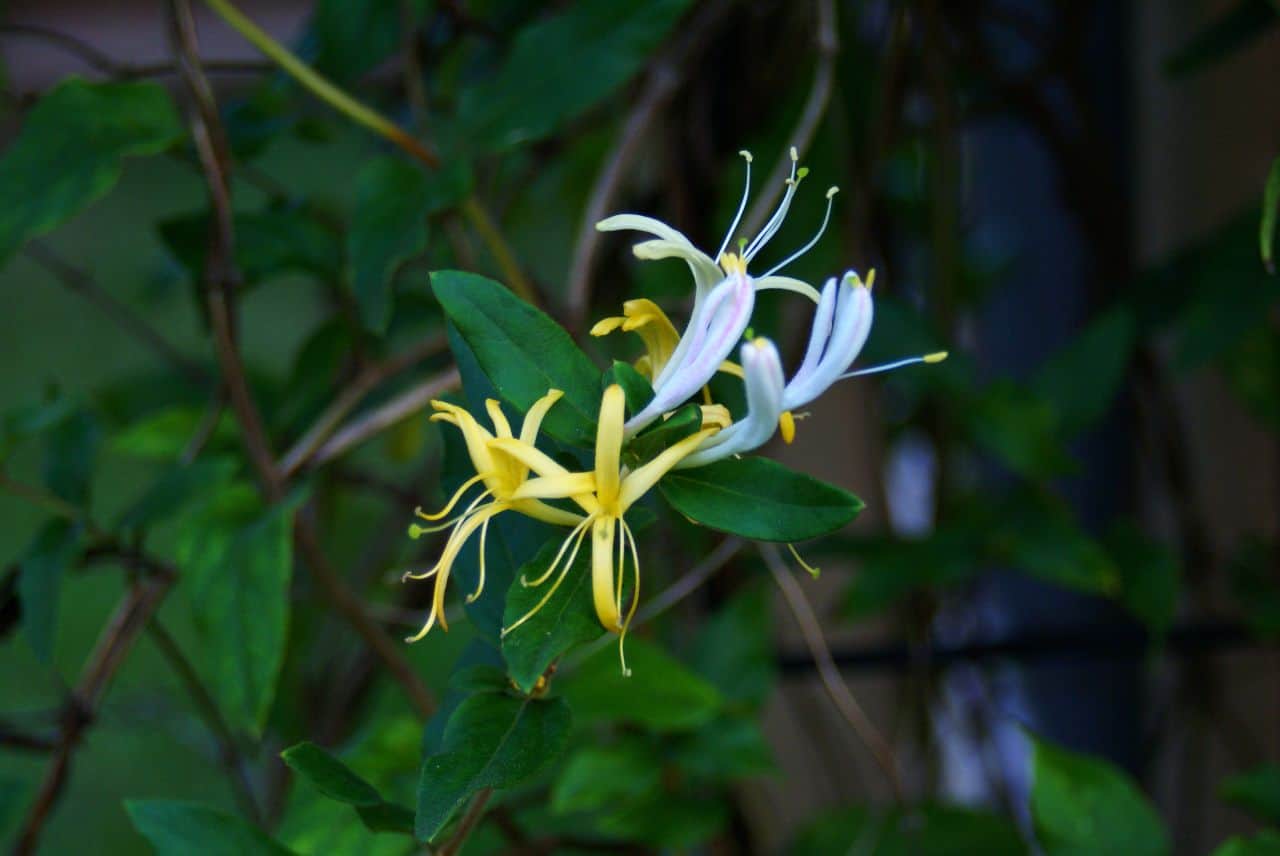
[(220, 281), (229, 753), (135, 609), (832, 681), (12, 737), (351, 396), (815, 108), (82, 283), (381, 418), (475, 812)]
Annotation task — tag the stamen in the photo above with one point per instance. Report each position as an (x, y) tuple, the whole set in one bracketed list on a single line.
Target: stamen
[(563, 546), (416, 531), (452, 502), (563, 573), (826, 218), (742, 206), (775, 222), (635, 599), (813, 572), (936, 357), (484, 535)]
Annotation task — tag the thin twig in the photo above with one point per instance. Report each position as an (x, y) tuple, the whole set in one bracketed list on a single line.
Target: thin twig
[(49, 501), (133, 613), (380, 419), (834, 684), (82, 283), (690, 581), (469, 821), (350, 397), (12, 737), (228, 749), (815, 107)]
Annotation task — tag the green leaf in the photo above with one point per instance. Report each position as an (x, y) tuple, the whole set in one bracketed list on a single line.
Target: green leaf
[(166, 433), (734, 650), (1254, 585), (567, 619), (927, 830), (661, 694), (1226, 35), (393, 199), (40, 583), (349, 39), (336, 780), (1270, 214), (889, 569), (491, 741), (69, 152), (523, 352), (237, 560), (176, 828), (1149, 581), (71, 450), (1265, 843), (273, 242), (673, 822), (635, 386), (1082, 379), (759, 498), (1045, 542), (27, 422), (1020, 429), (598, 777), (561, 66), (1257, 792), (176, 489), (1085, 805), (727, 748), (664, 434)]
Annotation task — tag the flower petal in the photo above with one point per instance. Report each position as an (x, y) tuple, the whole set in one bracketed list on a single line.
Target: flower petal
[(609, 443), (786, 283), (638, 482)]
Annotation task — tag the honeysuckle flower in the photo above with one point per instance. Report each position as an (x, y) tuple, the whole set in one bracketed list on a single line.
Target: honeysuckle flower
[(605, 495), (713, 331), (502, 476), (646, 319), (762, 370)]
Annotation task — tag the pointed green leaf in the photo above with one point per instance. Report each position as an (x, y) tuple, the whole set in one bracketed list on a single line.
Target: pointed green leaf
[(560, 66), (759, 498), (1082, 379), (523, 352), (1257, 792), (635, 386), (176, 489), (40, 583), (661, 694), (237, 560), (566, 619), (1085, 805), (70, 148), (491, 741), (331, 777), (176, 828)]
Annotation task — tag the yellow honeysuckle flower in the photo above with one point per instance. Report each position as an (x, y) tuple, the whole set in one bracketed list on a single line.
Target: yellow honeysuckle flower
[(605, 495), (651, 324), (502, 476)]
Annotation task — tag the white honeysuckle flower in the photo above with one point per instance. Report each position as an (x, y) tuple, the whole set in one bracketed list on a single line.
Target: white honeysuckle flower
[(841, 325), (716, 326), (762, 370)]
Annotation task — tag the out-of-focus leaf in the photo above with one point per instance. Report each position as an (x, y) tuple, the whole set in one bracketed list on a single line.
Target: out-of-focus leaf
[(759, 498), (349, 39), (70, 151), (669, 821), (176, 828), (12, 795), (1270, 214), (1257, 792), (491, 741), (597, 777), (165, 434), (40, 583), (393, 199), (1252, 369), (335, 780), (727, 748), (1255, 587), (891, 569), (269, 243), (563, 65), (176, 489), (478, 654), (1082, 379), (1265, 843), (26, 422), (1020, 429), (1231, 32), (661, 694), (927, 830), (71, 450), (237, 560), (1085, 805), (523, 353), (735, 648), (1149, 582), (566, 618), (1045, 542)]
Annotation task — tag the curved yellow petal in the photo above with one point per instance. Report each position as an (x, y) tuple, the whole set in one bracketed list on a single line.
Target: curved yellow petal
[(546, 513), (638, 483), (538, 412), (529, 455), (501, 427), (609, 444), (605, 326), (556, 487), (602, 532)]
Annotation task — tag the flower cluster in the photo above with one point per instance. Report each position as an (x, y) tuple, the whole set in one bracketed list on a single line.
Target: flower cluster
[(518, 476)]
